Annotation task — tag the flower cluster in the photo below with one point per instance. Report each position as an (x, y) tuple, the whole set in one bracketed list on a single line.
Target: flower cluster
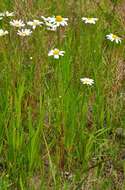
[(20, 24), (51, 23)]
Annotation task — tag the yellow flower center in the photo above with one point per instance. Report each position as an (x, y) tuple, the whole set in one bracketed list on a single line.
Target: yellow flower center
[(18, 24), (90, 19), (59, 18), (114, 36), (56, 52)]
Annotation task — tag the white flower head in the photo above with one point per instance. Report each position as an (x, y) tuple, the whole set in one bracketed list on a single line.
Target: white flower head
[(60, 21), (56, 20), (56, 53), (17, 23), (34, 23), (113, 37), (9, 14), (89, 20), (24, 32), (1, 18), (3, 32), (2, 14), (87, 81)]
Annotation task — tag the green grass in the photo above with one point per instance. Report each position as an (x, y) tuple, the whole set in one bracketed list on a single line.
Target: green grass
[(50, 123)]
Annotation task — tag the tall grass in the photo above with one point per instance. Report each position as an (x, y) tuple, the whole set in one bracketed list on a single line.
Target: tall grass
[(56, 133)]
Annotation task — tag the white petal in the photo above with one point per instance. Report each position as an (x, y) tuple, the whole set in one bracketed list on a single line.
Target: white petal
[(34, 27), (56, 56), (50, 53), (84, 18)]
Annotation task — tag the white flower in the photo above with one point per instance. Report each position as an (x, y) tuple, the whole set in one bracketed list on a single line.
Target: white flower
[(3, 32), (1, 18), (87, 81), (17, 23), (56, 53), (113, 37), (89, 20), (58, 20), (24, 32), (9, 14), (2, 14), (34, 23)]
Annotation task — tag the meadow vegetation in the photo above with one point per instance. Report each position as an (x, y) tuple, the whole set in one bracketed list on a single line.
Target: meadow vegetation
[(55, 132)]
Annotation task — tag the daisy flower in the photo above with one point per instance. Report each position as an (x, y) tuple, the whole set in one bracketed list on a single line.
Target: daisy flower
[(9, 14), (34, 23), (87, 81), (113, 37), (60, 21), (56, 53), (24, 32), (57, 20), (89, 20), (17, 23), (3, 32), (2, 14)]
